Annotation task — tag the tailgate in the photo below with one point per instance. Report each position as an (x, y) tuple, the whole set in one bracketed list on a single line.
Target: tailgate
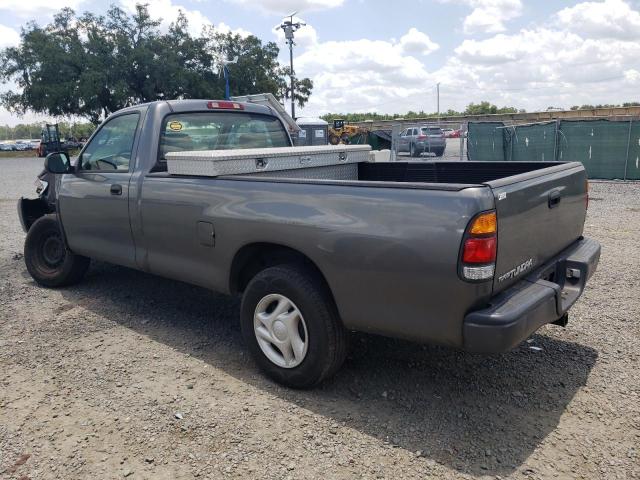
[(539, 214)]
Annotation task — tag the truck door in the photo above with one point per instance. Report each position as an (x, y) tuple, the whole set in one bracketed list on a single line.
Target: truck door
[(93, 201)]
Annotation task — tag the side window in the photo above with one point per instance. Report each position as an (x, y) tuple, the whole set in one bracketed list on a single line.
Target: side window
[(110, 149)]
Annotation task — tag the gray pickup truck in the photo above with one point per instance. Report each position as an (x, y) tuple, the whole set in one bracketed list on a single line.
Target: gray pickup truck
[(472, 255)]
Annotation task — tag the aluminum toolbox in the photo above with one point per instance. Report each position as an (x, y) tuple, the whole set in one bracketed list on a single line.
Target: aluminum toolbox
[(213, 163)]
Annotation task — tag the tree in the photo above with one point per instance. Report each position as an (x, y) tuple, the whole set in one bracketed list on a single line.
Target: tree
[(92, 65), (302, 87), (484, 108)]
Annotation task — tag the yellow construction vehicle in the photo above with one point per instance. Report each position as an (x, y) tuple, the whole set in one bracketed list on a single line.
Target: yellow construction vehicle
[(341, 133)]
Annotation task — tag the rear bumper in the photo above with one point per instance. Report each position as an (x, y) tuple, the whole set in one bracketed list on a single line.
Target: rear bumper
[(430, 145), (519, 311)]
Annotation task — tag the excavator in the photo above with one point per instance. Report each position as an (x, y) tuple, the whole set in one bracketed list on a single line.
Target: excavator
[(342, 133)]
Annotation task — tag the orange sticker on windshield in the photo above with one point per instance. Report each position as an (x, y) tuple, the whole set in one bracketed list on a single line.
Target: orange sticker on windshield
[(176, 126)]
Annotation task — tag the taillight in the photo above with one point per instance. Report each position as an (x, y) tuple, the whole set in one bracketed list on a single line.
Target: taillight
[(225, 105), (480, 247), (421, 137), (479, 250)]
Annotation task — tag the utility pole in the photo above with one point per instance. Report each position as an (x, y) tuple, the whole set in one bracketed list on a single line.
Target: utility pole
[(293, 99), (438, 99), (289, 28)]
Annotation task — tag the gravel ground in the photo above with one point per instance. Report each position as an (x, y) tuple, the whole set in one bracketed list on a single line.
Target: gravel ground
[(130, 375)]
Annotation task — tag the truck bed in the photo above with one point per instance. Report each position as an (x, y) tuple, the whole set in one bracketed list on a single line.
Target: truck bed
[(395, 228), (432, 174), (446, 172)]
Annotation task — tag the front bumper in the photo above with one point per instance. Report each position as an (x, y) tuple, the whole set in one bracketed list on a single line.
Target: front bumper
[(543, 297)]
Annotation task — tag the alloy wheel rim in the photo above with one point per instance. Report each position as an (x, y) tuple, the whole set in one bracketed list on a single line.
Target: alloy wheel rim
[(281, 331)]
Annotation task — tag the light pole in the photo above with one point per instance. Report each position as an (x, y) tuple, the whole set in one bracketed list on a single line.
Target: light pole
[(438, 99), (289, 28)]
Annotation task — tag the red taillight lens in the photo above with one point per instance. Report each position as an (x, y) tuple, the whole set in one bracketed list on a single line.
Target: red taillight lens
[(225, 105), (479, 250), (421, 137)]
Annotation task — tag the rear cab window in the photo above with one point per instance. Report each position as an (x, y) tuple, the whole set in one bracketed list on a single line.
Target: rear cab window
[(432, 131), (183, 132)]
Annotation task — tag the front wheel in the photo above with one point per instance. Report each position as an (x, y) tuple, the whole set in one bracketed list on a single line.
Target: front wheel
[(47, 258), (291, 326)]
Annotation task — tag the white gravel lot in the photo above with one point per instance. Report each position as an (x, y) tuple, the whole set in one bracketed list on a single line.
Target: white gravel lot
[(94, 377)]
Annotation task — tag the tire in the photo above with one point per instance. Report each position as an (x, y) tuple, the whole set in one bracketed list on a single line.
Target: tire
[(47, 258), (334, 139), (324, 338), (412, 151), (439, 152)]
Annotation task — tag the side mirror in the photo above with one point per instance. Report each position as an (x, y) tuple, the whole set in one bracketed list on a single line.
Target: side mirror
[(57, 162)]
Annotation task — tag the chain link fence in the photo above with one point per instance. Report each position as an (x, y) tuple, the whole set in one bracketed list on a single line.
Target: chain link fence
[(455, 144)]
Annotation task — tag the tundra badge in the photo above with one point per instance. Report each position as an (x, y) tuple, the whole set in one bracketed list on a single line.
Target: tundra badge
[(514, 272)]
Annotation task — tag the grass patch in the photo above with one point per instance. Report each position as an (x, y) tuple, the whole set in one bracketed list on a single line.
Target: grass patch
[(32, 154), (27, 153)]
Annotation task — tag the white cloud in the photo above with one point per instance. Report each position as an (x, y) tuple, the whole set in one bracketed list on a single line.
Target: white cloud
[(535, 68), (168, 12), (224, 28), (489, 16), (285, 7), (24, 8), (362, 75), (559, 64), (8, 36), (606, 19), (416, 42)]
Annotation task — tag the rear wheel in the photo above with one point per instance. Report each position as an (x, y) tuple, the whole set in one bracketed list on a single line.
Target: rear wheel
[(413, 151), (439, 152), (47, 258), (291, 326)]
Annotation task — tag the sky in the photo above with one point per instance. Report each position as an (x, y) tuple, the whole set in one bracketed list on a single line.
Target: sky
[(388, 56)]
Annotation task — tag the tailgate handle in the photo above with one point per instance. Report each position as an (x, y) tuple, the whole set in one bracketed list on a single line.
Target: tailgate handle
[(554, 198)]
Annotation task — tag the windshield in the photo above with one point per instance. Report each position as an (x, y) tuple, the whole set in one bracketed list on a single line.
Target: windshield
[(220, 131), (431, 131)]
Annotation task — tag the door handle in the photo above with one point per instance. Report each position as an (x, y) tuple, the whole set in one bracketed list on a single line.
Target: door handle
[(554, 199), (116, 189)]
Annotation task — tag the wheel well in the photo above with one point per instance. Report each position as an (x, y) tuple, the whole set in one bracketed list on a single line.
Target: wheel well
[(31, 210), (252, 259)]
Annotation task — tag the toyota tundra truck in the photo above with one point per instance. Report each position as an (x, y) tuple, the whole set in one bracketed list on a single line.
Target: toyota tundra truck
[(472, 255)]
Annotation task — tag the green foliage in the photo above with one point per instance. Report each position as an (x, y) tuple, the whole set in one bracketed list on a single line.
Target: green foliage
[(28, 131), (484, 108), (605, 105), (92, 65), (472, 109)]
